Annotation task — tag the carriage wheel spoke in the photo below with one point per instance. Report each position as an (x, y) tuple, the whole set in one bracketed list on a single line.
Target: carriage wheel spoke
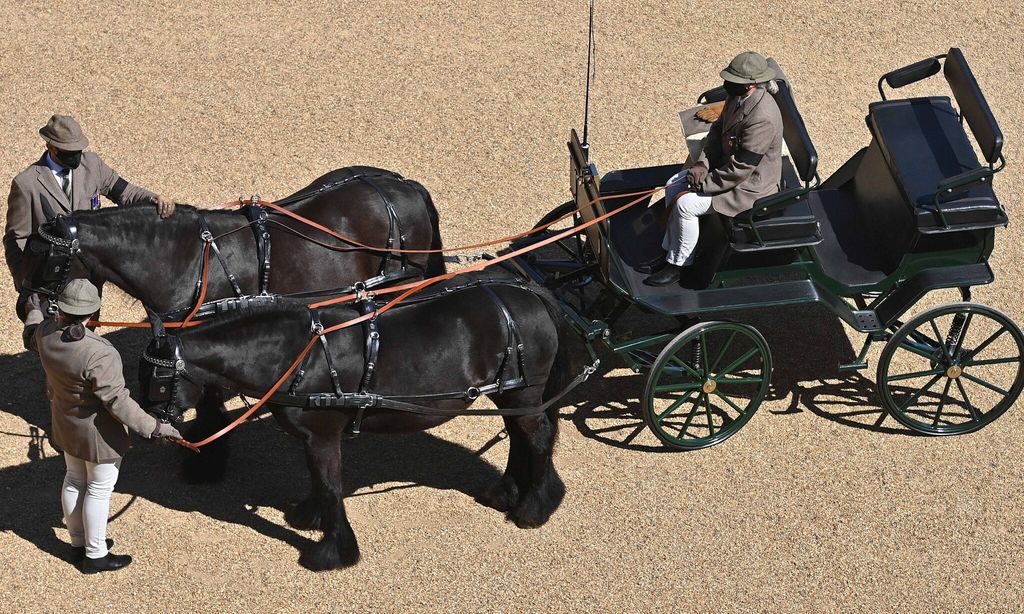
[(938, 335), (942, 402), (704, 352), (739, 361), (674, 406), (738, 380), (913, 349), (729, 401), (676, 387), (918, 394), (981, 382), (707, 410), (970, 406), (984, 344), (903, 376), (721, 354), (686, 367), (990, 361), (689, 418)]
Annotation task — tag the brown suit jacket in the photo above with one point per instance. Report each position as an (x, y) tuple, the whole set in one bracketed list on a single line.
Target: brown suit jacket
[(743, 153), (92, 179), (90, 406)]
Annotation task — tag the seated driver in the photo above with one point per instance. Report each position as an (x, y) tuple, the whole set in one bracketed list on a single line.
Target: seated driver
[(741, 162)]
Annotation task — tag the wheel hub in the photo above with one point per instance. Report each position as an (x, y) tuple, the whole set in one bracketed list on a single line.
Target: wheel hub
[(954, 371), (709, 386)]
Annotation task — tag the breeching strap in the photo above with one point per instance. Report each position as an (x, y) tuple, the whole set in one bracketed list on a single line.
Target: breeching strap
[(416, 287)]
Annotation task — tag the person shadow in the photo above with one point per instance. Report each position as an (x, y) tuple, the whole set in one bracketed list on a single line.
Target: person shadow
[(807, 342), (266, 467)]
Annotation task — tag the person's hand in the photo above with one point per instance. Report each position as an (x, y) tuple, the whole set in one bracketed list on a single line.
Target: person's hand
[(26, 336), (697, 174), (164, 206), (165, 431)]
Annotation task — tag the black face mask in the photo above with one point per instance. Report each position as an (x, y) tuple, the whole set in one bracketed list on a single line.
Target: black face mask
[(69, 159), (735, 89)]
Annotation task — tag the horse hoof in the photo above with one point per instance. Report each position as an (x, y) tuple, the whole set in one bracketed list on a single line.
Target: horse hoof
[(327, 555), (502, 496), (304, 516)]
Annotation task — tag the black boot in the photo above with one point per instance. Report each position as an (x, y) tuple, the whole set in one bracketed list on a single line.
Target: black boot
[(78, 552), (111, 562), (651, 266), (664, 277)]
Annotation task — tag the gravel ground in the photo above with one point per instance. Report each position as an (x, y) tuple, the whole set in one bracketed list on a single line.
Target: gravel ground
[(815, 505)]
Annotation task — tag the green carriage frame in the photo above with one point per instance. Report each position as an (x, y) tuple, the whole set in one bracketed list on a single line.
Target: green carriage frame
[(912, 212)]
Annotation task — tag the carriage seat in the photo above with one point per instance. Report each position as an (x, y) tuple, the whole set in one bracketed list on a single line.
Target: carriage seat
[(924, 143)]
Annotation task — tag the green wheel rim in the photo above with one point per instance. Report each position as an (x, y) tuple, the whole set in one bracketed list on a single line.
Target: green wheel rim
[(706, 384), (952, 370)]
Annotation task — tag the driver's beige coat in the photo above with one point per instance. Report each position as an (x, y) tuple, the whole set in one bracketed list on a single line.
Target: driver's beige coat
[(91, 410), (25, 211)]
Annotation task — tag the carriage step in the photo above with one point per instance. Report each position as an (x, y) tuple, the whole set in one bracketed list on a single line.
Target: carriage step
[(643, 358), (850, 367)]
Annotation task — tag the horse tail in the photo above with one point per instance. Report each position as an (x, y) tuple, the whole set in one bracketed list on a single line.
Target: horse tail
[(435, 260)]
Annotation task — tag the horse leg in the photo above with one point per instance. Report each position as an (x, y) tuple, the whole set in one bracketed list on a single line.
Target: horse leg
[(211, 416), (304, 515), (338, 548), (504, 494), (541, 490)]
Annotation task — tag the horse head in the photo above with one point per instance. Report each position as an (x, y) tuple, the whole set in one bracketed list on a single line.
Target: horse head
[(167, 386), (49, 256)]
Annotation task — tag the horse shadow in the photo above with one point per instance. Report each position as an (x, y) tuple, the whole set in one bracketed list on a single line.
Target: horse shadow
[(263, 471), (807, 342)]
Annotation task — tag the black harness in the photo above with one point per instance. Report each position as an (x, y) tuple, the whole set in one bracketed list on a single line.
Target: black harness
[(168, 365), (56, 241), (257, 217)]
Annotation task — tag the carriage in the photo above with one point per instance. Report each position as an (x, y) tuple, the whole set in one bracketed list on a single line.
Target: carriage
[(912, 212)]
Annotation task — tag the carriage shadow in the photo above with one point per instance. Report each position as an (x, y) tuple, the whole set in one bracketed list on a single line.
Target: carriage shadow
[(266, 469), (807, 342)]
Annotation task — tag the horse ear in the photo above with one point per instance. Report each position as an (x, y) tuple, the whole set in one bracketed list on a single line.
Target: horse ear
[(156, 323)]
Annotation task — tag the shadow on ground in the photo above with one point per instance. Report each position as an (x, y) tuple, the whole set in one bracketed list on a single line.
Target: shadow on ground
[(807, 343), (266, 467)]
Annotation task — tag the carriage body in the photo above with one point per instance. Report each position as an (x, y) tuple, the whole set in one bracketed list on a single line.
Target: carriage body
[(912, 212)]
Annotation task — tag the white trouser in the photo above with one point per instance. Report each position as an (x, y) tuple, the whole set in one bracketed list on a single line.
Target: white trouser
[(86, 501), (683, 227)]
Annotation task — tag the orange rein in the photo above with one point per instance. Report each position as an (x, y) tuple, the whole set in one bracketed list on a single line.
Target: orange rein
[(409, 290)]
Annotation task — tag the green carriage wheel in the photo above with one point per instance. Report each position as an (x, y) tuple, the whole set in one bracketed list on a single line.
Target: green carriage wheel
[(706, 384), (952, 369)]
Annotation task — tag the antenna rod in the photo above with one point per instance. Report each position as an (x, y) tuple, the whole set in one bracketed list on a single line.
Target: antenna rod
[(590, 54)]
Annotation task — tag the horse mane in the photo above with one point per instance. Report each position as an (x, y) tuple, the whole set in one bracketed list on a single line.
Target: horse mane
[(276, 310)]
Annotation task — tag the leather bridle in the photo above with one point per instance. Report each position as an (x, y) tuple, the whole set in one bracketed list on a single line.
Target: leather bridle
[(60, 238)]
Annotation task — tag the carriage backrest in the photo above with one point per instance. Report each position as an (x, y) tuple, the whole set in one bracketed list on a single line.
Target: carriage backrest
[(794, 131), (586, 190), (973, 106)]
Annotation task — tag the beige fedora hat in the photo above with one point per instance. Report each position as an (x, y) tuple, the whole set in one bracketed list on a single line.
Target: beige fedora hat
[(64, 133)]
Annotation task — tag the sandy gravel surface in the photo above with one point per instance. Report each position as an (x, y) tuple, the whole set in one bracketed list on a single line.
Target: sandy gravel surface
[(812, 507)]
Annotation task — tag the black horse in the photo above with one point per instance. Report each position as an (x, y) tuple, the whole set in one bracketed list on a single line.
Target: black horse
[(159, 261), (504, 339)]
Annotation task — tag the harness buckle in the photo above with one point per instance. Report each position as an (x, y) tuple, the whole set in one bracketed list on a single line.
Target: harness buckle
[(206, 236), (317, 328)]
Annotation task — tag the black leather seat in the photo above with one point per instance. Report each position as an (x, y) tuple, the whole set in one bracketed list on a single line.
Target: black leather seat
[(924, 143), (793, 223)]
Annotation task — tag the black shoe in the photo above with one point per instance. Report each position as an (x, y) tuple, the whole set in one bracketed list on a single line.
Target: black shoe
[(664, 277), (111, 562), (651, 266), (78, 552)]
